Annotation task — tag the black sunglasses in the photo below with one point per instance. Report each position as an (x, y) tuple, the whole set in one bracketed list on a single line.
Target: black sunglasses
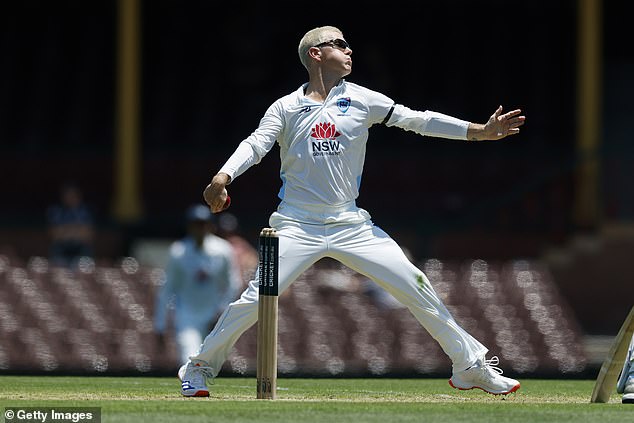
[(337, 42)]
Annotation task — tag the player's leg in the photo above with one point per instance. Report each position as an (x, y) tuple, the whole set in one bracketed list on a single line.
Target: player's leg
[(625, 384), (299, 249), (370, 251)]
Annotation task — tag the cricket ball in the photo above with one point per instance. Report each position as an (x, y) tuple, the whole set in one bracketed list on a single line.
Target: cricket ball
[(227, 203)]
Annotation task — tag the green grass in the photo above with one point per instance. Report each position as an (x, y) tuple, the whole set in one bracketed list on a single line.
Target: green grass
[(155, 400)]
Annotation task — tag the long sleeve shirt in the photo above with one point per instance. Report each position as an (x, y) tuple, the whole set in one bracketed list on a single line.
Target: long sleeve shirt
[(323, 145)]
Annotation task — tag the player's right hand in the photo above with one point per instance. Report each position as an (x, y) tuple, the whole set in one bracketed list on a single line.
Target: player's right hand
[(215, 193)]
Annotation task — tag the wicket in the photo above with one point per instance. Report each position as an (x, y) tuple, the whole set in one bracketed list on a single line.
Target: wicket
[(267, 314)]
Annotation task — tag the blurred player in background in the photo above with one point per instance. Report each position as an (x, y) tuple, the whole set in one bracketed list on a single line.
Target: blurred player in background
[(71, 227), (322, 130), (625, 384), (202, 277), (246, 254)]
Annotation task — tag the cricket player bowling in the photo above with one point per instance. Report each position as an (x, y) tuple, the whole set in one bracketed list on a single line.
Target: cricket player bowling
[(322, 132)]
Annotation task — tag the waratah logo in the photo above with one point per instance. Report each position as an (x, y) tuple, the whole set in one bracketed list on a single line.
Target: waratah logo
[(324, 131), (326, 144)]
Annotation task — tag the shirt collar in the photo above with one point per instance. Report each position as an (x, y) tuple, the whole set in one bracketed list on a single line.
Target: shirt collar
[(335, 91)]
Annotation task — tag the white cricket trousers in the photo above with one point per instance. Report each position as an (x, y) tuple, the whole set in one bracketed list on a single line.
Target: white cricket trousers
[(365, 249)]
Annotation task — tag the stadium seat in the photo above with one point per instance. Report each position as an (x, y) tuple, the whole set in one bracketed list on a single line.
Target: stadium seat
[(332, 321)]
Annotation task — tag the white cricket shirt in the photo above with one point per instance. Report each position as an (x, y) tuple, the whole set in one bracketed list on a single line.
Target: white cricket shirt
[(322, 145)]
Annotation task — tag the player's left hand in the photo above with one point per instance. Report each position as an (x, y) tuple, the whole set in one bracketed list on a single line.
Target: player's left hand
[(501, 125)]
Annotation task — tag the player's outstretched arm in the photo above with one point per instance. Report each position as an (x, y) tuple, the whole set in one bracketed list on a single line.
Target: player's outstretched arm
[(497, 127), (215, 193)]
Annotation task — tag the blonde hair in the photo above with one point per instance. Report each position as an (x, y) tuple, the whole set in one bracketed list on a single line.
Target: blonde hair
[(312, 38)]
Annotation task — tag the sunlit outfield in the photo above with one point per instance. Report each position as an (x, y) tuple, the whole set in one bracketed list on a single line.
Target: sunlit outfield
[(146, 399)]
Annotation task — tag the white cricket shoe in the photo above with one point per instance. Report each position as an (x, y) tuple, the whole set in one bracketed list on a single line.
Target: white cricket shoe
[(193, 377), (484, 375)]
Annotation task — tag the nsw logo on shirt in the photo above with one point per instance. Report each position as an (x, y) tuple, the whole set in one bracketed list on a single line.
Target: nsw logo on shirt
[(325, 140), (343, 104)]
